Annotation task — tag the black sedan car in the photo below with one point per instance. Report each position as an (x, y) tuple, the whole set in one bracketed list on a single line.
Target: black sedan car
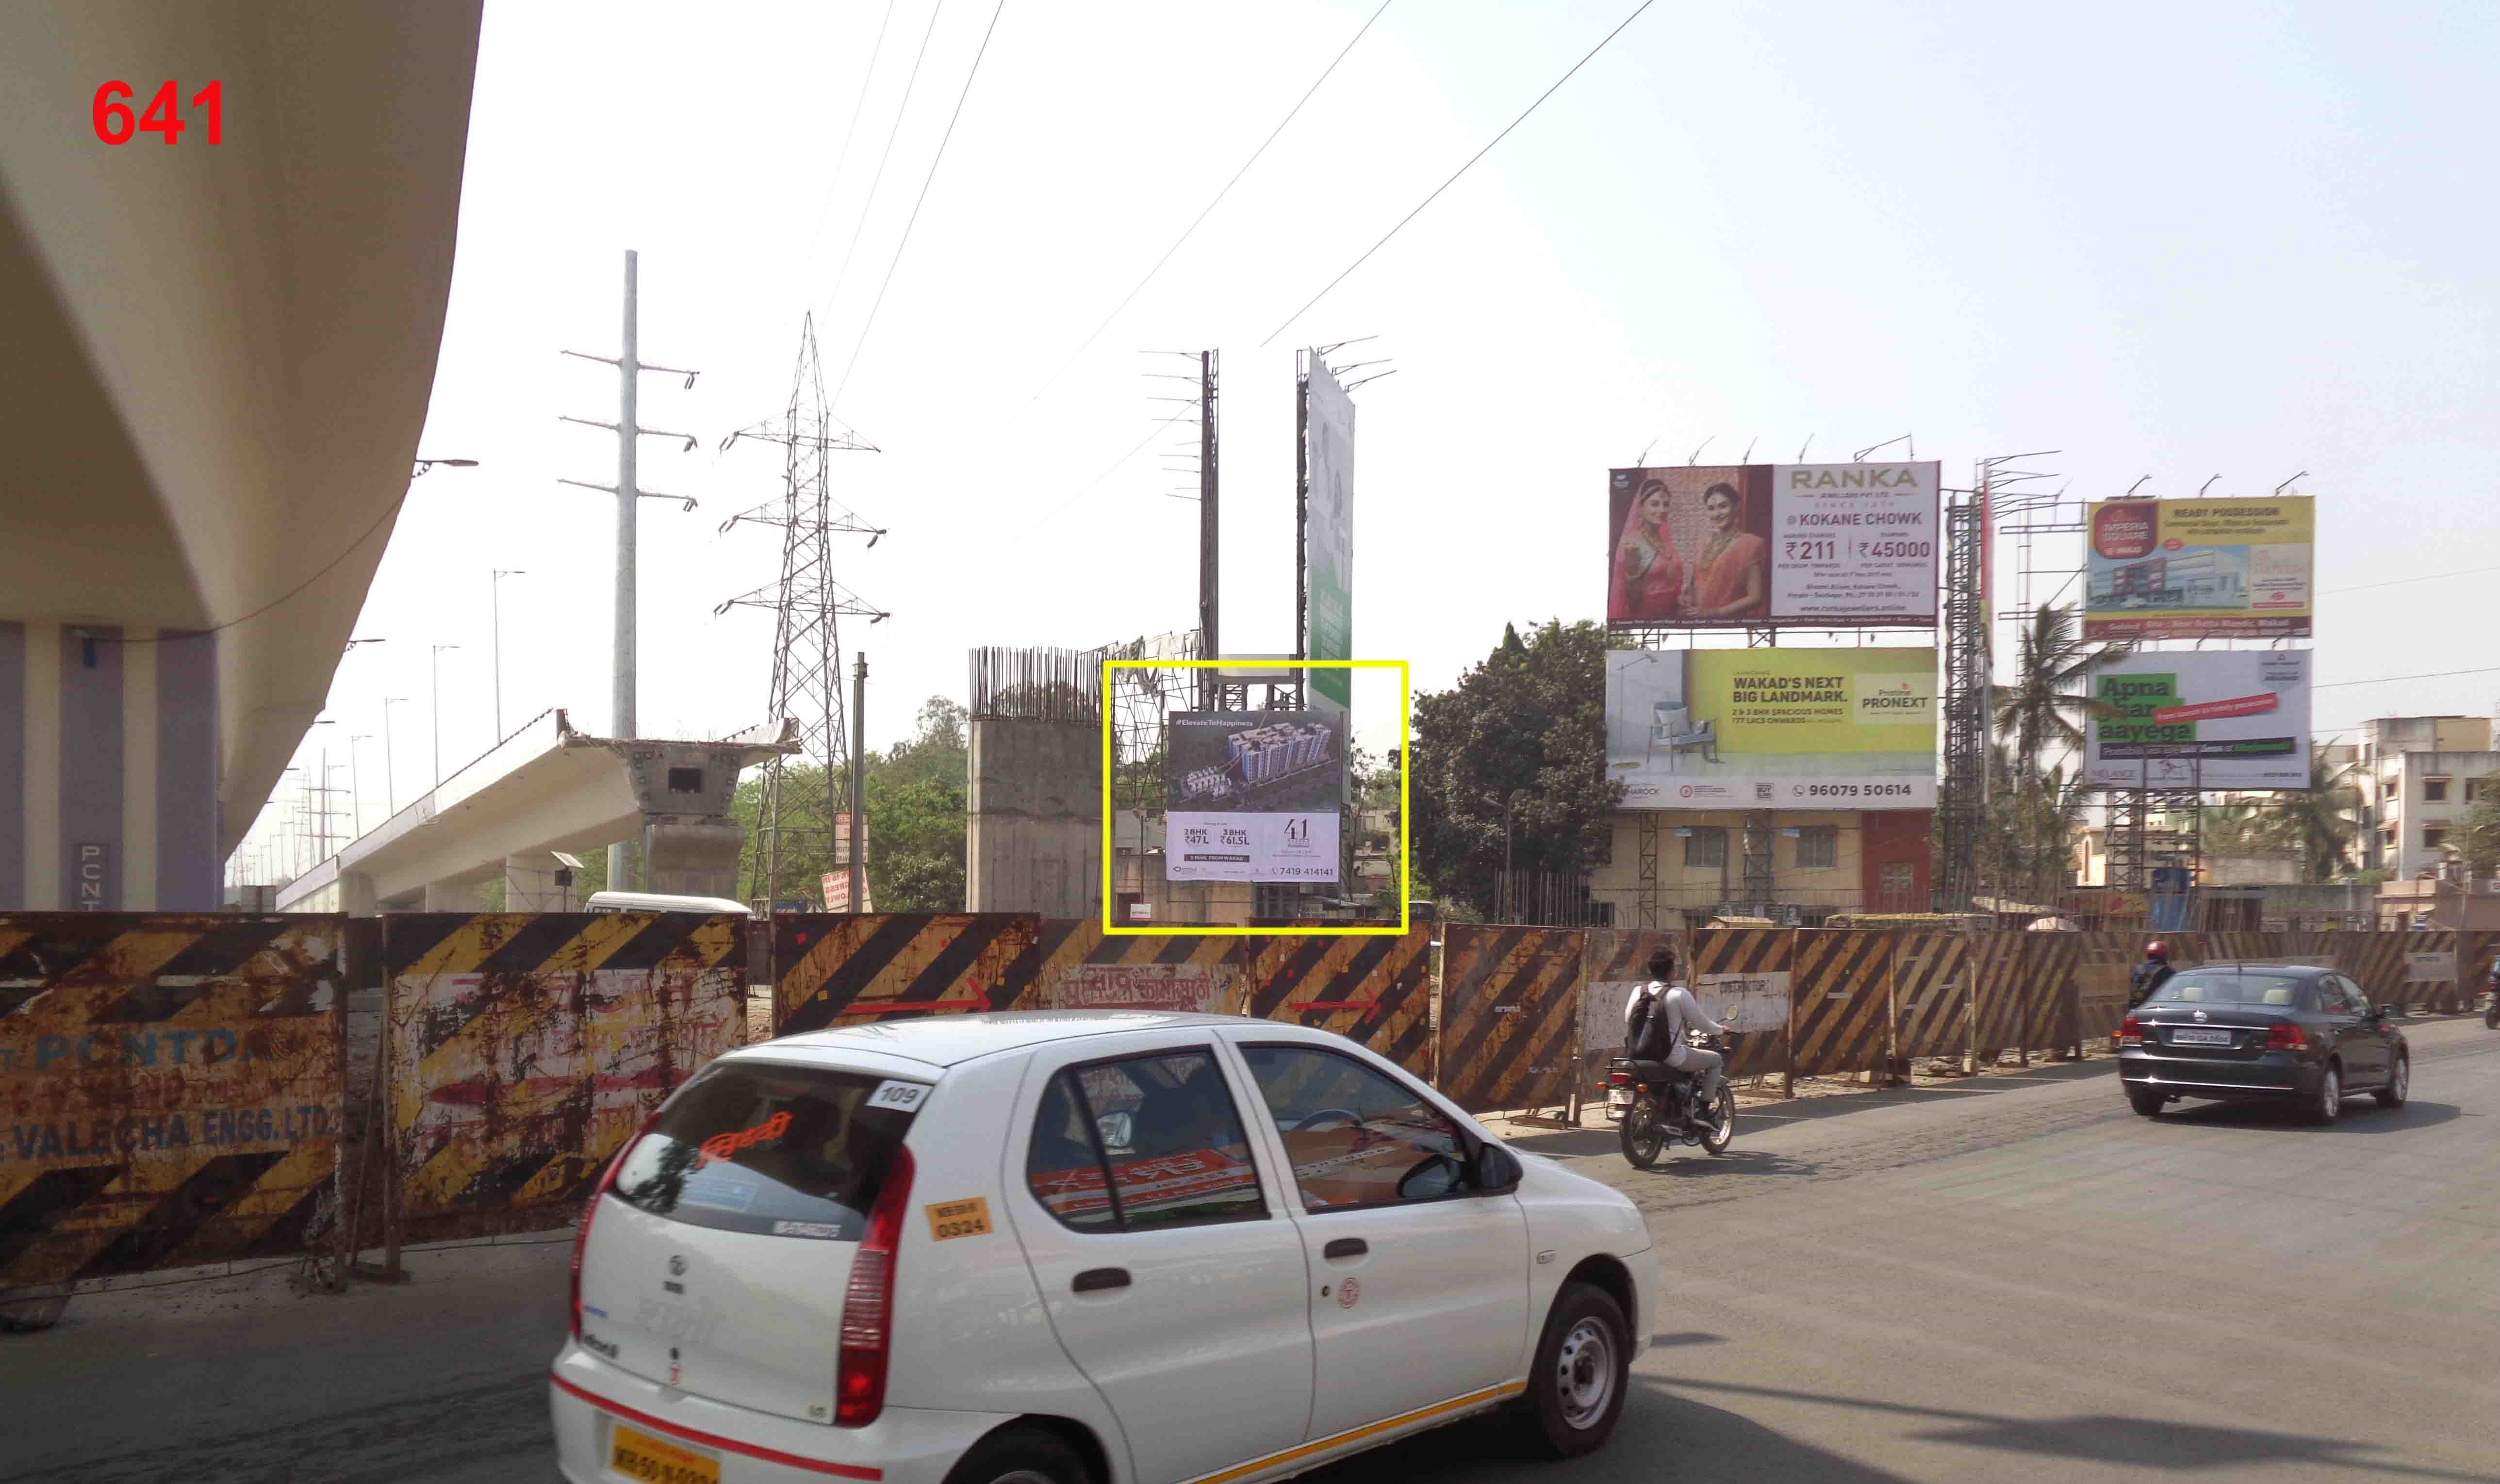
[(2284, 1033)]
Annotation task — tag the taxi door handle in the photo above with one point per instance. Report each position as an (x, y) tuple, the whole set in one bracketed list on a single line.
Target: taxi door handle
[(1346, 1246), (1095, 1280)]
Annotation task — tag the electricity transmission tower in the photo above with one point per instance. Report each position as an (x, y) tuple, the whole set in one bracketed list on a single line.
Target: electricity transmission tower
[(808, 605)]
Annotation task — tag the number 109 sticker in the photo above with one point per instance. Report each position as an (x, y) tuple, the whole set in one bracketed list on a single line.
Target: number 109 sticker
[(906, 1097)]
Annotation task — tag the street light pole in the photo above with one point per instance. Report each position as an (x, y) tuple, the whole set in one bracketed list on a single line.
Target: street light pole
[(390, 769), (356, 783), (495, 604), (436, 664)]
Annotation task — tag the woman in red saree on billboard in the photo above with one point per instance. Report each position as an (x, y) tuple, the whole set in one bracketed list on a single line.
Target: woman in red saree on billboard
[(1647, 573), (1732, 577)]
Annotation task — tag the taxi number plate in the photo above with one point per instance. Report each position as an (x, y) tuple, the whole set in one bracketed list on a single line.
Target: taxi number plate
[(640, 1456), (2192, 1036)]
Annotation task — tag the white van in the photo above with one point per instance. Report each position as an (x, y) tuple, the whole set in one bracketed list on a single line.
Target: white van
[(651, 901)]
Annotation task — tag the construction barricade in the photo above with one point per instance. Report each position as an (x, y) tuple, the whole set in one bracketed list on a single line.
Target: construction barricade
[(1374, 989), (1755, 963), (1841, 1018), (170, 1088), (1931, 1003), (1510, 1015), (522, 1050)]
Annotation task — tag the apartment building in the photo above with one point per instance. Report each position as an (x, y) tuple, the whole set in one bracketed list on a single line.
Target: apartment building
[(2419, 776)]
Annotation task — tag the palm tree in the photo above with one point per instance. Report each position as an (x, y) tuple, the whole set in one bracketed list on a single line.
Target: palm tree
[(2046, 701), (2319, 823)]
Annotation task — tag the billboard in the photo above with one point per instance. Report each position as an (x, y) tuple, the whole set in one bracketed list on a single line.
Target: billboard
[(1810, 545), (2199, 568), (2201, 720), (1328, 534), (1253, 795), (1773, 729)]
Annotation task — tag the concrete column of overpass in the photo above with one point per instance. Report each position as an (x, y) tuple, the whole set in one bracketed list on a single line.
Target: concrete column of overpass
[(530, 884)]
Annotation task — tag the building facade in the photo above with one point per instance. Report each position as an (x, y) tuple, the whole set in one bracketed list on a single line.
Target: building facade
[(2419, 776)]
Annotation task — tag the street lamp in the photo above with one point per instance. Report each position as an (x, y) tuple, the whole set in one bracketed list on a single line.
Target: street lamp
[(353, 643), (435, 662), (422, 465), (356, 783), (391, 770), (495, 603)]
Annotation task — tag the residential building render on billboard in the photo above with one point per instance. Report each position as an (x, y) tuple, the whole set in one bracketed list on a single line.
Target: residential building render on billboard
[(2199, 568), (1792, 728), (1263, 753), (2200, 719), (1727, 546)]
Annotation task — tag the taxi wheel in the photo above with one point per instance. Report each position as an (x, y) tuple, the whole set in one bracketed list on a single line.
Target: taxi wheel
[(1575, 1389), (1021, 1455)]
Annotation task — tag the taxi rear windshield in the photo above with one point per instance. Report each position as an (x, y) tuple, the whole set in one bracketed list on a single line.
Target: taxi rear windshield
[(2230, 987), (773, 1150)]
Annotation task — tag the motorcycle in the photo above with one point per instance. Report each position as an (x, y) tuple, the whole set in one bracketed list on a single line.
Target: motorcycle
[(2490, 1006), (1659, 1110)]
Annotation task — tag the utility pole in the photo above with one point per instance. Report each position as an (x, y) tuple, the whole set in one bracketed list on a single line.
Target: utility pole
[(495, 604), (434, 664), (628, 491), (859, 785), (807, 605), (1208, 646)]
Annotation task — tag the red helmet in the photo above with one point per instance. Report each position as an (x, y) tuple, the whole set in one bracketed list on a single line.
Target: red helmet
[(2157, 949)]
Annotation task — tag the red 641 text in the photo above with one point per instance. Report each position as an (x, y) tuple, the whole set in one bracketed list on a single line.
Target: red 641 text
[(116, 124)]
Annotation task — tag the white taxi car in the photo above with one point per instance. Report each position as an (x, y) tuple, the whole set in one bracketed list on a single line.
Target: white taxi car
[(1066, 1247)]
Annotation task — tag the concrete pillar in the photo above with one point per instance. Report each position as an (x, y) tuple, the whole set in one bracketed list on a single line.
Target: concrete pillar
[(1034, 841), (529, 884), (357, 894)]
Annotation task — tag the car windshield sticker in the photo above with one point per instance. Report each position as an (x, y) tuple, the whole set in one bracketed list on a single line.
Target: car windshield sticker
[(723, 1145)]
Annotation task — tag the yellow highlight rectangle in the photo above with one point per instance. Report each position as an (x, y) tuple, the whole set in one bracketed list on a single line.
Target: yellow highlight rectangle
[(1406, 860)]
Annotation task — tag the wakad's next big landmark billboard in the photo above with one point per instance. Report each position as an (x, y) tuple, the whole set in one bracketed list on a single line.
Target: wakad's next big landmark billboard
[(1762, 728)]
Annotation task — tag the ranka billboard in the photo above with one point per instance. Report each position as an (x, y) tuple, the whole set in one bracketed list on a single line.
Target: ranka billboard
[(2202, 719), (1762, 728), (1754, 545), (2199, 568)]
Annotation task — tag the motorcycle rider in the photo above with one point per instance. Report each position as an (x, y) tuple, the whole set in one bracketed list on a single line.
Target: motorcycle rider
[(2151, 975), (1671, 1011)]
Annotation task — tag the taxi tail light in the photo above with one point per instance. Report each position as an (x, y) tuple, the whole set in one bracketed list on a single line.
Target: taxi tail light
[(2130, 1032), (868, 1305), (598, 1193), (2286, 1037)]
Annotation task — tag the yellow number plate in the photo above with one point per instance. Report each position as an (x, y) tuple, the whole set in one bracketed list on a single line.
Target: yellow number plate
[(640, 1456), (949, 1219)]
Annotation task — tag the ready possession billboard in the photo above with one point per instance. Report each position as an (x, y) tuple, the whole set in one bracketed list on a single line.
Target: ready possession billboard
[(1808, 545), (1253, 795), (1328, 534), (2199, 568), (1773, 729), (2201, 720)]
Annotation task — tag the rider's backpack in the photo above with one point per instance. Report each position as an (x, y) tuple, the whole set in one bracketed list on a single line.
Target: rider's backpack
[(1647, 1038)]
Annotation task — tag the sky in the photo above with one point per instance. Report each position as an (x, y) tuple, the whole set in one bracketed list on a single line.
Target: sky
[(2165, 240)]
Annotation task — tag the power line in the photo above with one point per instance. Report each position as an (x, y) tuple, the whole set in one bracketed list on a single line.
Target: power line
[(892, 135), (2397, 582), (925, 182), (850, 131), (1460, 171), (344, 553), (2385, 680), (1217, 199), (1183, 415)]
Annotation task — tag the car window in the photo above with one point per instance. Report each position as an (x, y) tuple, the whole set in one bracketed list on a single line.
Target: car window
[(1353, 1134), (2230, 987), (1142, 1143), (770, 1151), (2355, 995)]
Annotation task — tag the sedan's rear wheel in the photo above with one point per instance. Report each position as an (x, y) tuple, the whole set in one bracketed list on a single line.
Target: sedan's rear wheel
[(2148, 1104), (2328, 1104), (1641, 1133), (1575, 1390), (2399, 1082)]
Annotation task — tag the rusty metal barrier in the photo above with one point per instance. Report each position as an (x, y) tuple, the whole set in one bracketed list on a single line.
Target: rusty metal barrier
[(2104, 965), (1614, 961), (1931, 1003), (523, 1049), (1842, 1020), (1376, 989), (1510, 1015), (857, 969), (170, 1091)]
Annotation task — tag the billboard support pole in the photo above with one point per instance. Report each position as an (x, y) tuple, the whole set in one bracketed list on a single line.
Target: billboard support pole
[(1209, 647)]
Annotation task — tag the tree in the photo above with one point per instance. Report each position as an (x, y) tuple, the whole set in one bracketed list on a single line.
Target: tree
[(2475, 841), (915, 798), (2046, 702), (1525, 728), (2318, 825)]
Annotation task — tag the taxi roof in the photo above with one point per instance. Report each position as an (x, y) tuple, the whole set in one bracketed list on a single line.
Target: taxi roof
[(944, 1040)]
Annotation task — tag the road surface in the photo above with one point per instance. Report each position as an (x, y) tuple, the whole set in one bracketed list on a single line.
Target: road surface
[(2011, 1279)]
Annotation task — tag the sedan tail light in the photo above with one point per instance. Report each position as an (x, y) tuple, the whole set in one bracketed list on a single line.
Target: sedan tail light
[(2130, 1032), (2286, 1037), (868, 1305)]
